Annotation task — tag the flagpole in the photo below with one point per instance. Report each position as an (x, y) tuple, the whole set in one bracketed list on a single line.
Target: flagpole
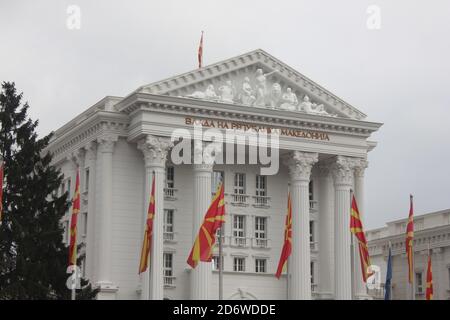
[(220, 264), (352, 255), (413, 276), (287, 279)]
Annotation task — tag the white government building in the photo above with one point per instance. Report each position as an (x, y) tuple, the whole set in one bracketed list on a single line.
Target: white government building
[(120, 141), (431, 231)]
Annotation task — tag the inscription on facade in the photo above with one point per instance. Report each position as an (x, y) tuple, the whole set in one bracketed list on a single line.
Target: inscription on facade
[(236, 125)]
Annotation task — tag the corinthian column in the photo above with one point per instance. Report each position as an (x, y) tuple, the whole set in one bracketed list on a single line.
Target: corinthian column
[(360, 286), (342, 171), (105, 149), (202, 274), (326, 233), (155, 150), (300, 165), (91, 156)]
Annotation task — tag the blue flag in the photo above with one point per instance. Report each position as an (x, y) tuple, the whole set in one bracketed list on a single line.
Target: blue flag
[(387, 285)]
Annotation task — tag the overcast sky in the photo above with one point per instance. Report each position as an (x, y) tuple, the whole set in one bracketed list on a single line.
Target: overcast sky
[(398, 74)]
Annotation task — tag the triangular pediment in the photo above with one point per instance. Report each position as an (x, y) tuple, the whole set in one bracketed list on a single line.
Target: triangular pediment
[(255, 79)]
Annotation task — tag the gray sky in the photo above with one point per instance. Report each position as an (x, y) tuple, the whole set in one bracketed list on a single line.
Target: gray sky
[(398, 75)]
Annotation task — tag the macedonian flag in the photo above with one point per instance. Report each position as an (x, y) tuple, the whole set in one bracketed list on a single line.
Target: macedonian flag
[(429, 290), (214, 218), (147, 243), (410, 240), (287, 246), (73, 222), (357, 229), (1, 191)]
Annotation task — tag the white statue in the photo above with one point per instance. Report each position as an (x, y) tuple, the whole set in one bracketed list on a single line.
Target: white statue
[(306, 105), (208, 94), (247, 96), (261, 90), (275, 95), (227, 92), (289, 100), (319, 109)]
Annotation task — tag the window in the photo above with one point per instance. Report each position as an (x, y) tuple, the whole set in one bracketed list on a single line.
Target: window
[(239, 264), (86, 180), (261, 186), (168, 268), (239, 230), (170, 177), (85, 223), (260, 265), (62, 188), (448, 277), (216, 177), (261, 231), (311, 191), (239, 183), (168, 224), (66, 226), (311, 231), (313, 283), (419, 283), (448, 269), (215, 261)]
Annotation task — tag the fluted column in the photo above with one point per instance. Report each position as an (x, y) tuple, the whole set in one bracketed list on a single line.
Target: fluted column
[(360, 286), (91, 156), (155, 150), (300, 165), (202, 274), (342, 171), (326, 233), (104, 281)]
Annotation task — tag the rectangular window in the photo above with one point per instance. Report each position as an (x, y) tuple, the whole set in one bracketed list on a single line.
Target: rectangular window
[(311, 191), (448, 278), (85, 223), (238, 226), (62, 188), (311, 231), (239, 183), (261, 231), (216, 177), (261, 186), (215, 261), (168, 224), (239, 264), (170, 177), (67, 232), (419, 283), (86, 180), (168, 264), (260, 265)]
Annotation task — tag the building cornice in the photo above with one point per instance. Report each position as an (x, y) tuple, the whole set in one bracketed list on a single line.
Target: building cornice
[(208, 109), (87, 130)]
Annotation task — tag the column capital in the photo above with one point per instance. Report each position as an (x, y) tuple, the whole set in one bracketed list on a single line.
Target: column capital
[(77, 157), (300, 164), (342, 170), (106, 143), (360, 167), (155, 150), (91, 151)]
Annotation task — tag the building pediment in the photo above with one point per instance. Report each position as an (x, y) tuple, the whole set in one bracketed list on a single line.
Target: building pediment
[(255, 79)]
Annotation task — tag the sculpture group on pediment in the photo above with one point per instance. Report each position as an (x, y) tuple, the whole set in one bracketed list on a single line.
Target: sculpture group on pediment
[(260, 94)]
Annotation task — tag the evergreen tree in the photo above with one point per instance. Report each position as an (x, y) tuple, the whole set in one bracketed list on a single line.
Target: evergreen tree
[(33, 257)]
